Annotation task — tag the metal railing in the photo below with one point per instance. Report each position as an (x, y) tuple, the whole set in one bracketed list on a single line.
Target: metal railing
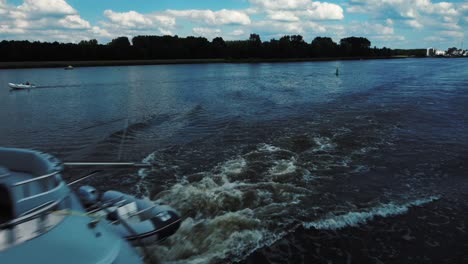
[(33, 223), (41, 184), (32, 214)]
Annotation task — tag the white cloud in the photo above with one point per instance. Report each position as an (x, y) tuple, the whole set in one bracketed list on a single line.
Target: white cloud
[(387, 38), (221, 17), (49, 19), (281, 4), (5, 29), (289, 10), (163, 20), (414, 24), (429, 17), (130, 19), (74, 22), (165, 31), (237, 32), (286, 16), (3, 7), (464, 11), (323, 11), (454, 34), (46, 7), (444, 8), (132, 23), (415, 10), (404, 8), (43, 20), (278, 28), (451, 26), (380, 34), (434, 39), (99, 32), (208, 33), (41, 15), (232, 17), (318, 28), (370, 29)]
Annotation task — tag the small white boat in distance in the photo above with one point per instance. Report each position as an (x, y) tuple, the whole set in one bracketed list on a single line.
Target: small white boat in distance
[(69, 67), (21, 85)]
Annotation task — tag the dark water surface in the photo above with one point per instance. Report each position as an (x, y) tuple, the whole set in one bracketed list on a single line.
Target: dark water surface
[(270, 163)]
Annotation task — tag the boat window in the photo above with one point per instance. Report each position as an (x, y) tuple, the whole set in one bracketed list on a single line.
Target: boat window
[(6, 205)]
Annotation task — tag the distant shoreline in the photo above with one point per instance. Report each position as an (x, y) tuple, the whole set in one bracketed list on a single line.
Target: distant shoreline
[(63, 64)]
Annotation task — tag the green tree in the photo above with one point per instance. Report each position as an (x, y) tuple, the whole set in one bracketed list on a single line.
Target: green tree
[(354, 46), (120, 42), (219, 47), (255, 44), (298, 47), (91, 42), (323, 47)]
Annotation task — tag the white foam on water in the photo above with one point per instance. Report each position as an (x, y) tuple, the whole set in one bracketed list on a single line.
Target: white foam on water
[(344, 162), (324, 144), (226, 217), (150, 158), (356, 218), (234, 166), (364, 150), (142, 173), (308, 177), (141, 186), (267, 148), (283, 167), (360, 169), (233, 209), (226, 238)]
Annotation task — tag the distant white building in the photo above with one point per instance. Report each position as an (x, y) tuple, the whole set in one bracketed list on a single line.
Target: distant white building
[(434, 52), (440, 53), (430, 52)]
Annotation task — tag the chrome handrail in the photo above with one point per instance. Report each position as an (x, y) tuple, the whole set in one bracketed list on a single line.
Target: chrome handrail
[(31, 214), (48, 182), (38, 209), (36, 179)]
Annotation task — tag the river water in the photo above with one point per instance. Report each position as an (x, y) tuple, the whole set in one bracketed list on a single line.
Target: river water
[(270, 163)]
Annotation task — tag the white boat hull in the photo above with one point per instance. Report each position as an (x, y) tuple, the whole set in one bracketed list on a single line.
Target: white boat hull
[(21, 86), (42, 220)]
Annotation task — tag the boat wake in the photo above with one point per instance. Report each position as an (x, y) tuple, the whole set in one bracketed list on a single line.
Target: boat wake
[(230, 212), (240, 196), (252, 201), (334, 222)]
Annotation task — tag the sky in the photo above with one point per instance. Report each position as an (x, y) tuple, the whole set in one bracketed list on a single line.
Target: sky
[(386, 23)]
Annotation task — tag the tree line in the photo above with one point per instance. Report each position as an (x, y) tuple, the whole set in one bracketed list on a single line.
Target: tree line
[(174, 47)]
